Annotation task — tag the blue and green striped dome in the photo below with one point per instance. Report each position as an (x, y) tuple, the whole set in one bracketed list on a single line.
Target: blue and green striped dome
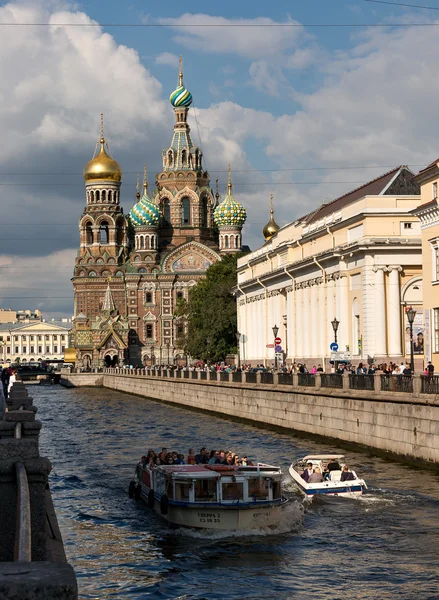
[(229, 213), (145, 213), (180, 97)]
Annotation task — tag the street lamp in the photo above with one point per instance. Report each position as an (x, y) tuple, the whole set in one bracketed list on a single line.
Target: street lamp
[(335, 325), (411, 314), (275, 330), (238, 339)]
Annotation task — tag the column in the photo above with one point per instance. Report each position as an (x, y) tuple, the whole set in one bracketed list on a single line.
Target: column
[(298, 322), (323, 344), (394, 313), (342, 312), (291, 324), (330, 311), (314, 320), (306, 321), (380, 312)]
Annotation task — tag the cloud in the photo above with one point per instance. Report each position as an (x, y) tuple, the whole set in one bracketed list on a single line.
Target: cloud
[(242, 37), (168, 59)]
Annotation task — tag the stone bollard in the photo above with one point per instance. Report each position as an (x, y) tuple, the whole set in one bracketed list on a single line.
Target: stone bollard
[(275, 378), (318, 380), (295, 379), (258, 378), (417, 385), (345, 381), (377, 381)]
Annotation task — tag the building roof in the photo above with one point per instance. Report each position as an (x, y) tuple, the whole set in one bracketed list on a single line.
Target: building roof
[(432, 164), (36, 326), (397, 181)]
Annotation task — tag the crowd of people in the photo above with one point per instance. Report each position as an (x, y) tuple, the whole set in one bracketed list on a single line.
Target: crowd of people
[(8, 376), (204, 457)]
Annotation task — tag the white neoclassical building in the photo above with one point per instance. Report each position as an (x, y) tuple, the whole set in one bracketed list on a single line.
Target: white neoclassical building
[(357, 259), (29, 342)]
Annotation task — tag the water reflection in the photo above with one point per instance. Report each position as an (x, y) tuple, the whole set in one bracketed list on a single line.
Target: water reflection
[(381, 545)]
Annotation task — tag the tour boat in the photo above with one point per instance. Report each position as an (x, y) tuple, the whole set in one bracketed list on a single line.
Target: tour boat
[(331, 484), (212, 496)]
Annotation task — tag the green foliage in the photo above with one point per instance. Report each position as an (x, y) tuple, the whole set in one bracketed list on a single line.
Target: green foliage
[(211, 313)]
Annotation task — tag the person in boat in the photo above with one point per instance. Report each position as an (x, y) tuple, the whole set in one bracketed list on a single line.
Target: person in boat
[(307, 472), (163, 455), (169, 459), (203, 457), (333, 465), (315, 477), (215, 459), (347, 475), (180, 459), (191, 458)]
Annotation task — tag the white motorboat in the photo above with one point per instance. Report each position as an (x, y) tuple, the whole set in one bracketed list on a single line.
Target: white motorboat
[(334, 481), (212, 496)]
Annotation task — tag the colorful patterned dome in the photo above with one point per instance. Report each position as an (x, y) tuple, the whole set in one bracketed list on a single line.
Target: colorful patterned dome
[(229, 213), (181, 96), (145, 213)]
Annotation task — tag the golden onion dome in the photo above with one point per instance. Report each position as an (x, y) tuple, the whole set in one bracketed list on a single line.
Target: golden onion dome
[(271, 228), (102, 166)]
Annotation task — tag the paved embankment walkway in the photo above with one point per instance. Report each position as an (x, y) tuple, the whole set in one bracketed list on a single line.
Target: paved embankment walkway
[(403, 423)]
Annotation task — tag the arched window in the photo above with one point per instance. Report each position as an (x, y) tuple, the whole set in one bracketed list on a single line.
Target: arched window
[(92, 196), (97, 195), (237, 241), (119, 232), (183, 158), (142, 243), (152, 242), (148, 297), (170, 158), (103, 232), (110, 196), (204, 212), (226, 241), (103, 196), (88, 234), (185, 211), (166, 211)]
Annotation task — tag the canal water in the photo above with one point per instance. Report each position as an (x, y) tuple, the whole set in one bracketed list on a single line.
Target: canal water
[(384, 545)]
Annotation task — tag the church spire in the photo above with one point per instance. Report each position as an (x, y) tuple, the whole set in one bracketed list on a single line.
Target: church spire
[(180, 75), (271, 228), (145, 181), (108, 305)]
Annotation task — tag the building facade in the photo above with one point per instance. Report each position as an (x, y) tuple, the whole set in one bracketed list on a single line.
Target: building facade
[(357, 260), (132, 270), (33, 341), (426, 324)]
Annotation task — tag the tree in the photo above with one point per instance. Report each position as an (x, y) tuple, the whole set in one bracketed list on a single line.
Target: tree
[(211, 313)]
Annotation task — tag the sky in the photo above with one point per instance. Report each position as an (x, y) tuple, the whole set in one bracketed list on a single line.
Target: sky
[(307, 100)]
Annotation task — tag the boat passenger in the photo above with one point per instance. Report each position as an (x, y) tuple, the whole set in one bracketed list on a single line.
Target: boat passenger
[(222, 458), (229, 460), (191, 459), (203, 457), (162, 455), (169, 460), (333, 465), (307, 472), (346, 474), (215, 459), (180, 459), (315, 477), (244, 461)]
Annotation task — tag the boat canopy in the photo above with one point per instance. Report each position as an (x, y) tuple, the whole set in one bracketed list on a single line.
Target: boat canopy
[(322, 457)]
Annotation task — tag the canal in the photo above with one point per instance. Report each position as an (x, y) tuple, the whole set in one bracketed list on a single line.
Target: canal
[(382, 545)]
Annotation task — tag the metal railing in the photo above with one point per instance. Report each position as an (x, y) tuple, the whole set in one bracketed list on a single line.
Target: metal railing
[(331, 380), (266, 377), (307, 379), (397, 383), (194, 375), (250, 378), (430, 384), (224, 376), (186, 374), (361, 382), (203, 375), (285, 379), (237, 377)]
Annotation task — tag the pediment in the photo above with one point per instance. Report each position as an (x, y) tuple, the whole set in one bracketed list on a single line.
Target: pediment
[(149, 317), (190, 258), (43, 327)]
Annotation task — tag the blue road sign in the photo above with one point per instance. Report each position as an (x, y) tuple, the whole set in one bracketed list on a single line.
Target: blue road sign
[(278, 348), (333, 347)]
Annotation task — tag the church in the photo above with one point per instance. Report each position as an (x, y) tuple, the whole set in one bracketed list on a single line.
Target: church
[(132, 270)]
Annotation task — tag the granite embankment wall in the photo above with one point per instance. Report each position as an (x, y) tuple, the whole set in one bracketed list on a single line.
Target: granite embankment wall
[(405, 424)]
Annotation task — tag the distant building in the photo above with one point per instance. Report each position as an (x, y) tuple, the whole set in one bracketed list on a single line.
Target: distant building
[(426, 325), (33, 341), (357, 259), (8, 315)]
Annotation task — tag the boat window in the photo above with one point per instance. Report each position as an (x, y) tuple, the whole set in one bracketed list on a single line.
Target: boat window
[(182, 489), (258, 488), (233, 491), (205, 490), (275, 484)]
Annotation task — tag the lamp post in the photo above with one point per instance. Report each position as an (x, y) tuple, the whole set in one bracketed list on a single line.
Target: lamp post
[(275, 330), (411, 314), (335, 325), (238, 339)]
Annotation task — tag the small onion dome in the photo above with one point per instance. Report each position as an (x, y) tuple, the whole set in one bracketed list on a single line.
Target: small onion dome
[(145, 212), (102, 166), (180, 97), (271, 227), (229, 213)]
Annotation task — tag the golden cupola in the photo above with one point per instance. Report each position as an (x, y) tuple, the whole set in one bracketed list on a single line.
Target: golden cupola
[(102, 166), (271, 228)]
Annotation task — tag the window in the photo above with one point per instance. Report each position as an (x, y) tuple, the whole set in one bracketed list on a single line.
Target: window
[(436, 329), (258, 488), (204, 212), (180, 330), (233, 491), (8, 339), (179, 295), (166, 211), (63, 338), (8, 349), (103, 232), (32, 349), (435, 265), (1, 338), (40, 337), (40, 349), (205, 490), (24, 349), (185, 211), (16, 350), (148, 297), (408, 225), (32, 337), (55, 348), (149, 332), (47, 337), (88, 234), (63, 348), (434, 190)]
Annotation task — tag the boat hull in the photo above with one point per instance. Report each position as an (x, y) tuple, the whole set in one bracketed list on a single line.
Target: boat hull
[(218, 517)]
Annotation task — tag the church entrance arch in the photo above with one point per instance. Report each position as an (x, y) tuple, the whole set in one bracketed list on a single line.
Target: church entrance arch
[(111, 359)]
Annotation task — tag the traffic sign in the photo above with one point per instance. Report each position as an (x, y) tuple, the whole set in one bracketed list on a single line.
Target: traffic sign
[(333, 347), (277, 340), (278, 349), (270, 346)]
